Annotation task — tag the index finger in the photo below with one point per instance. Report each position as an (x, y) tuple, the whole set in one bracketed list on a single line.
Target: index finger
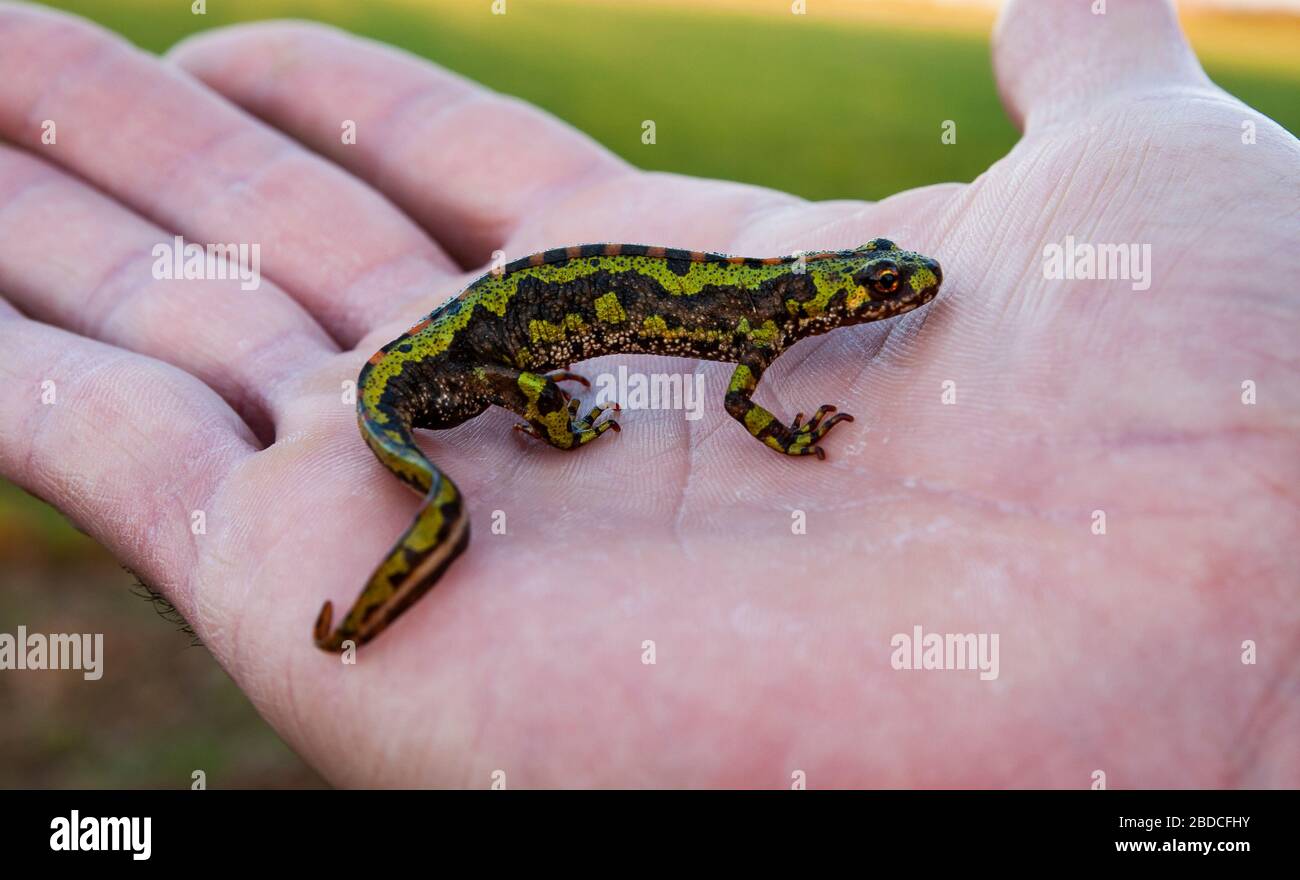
[(466, 162)]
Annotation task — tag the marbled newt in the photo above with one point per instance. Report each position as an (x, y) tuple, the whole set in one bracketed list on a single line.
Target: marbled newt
[(509, 338)]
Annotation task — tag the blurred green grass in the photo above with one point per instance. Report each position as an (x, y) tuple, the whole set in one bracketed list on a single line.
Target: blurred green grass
[(838, 108), (821, 107)]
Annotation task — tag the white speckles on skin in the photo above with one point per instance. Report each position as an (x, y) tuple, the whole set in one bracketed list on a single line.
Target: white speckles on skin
[(925, 531), (752, 621)]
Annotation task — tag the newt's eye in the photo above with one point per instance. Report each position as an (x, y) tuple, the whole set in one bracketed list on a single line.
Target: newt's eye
[(886, 281)]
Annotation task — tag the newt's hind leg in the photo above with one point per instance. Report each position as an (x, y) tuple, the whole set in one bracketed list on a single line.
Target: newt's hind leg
[(550, 414)]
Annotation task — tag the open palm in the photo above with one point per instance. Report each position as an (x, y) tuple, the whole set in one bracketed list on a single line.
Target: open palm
[(991, 427)]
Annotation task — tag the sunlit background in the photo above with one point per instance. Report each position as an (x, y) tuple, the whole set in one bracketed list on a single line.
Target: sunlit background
[(843, 102)]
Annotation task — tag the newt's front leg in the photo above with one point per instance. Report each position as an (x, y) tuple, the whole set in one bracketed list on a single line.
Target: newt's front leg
[(800, 438)]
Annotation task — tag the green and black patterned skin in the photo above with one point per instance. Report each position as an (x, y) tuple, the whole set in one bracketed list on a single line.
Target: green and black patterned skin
[(510, 337)]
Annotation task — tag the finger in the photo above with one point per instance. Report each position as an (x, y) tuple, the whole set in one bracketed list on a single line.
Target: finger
[(185, 158), (130, 449), (916, 219), (465, 162), (70, 256), (1054, 59), (664, 209)]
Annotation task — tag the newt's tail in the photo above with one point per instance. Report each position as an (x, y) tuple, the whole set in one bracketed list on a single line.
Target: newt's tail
[(437, 535)]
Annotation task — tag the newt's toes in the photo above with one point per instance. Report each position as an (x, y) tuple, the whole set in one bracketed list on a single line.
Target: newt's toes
[(822, 421), (588, 422), (834, 420)]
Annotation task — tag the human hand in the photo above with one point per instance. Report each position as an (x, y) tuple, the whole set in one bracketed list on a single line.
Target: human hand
[(1119, 651)]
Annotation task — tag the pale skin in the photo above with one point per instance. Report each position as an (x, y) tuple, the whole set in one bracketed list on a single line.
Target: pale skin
[(1118, 652)]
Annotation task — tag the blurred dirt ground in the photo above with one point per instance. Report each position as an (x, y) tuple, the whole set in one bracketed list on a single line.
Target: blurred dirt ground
[(163, 707)]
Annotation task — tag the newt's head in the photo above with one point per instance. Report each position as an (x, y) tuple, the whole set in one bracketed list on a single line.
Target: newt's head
[(879, 279)]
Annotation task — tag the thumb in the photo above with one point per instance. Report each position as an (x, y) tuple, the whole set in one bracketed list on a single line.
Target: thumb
[(1058, 58)]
